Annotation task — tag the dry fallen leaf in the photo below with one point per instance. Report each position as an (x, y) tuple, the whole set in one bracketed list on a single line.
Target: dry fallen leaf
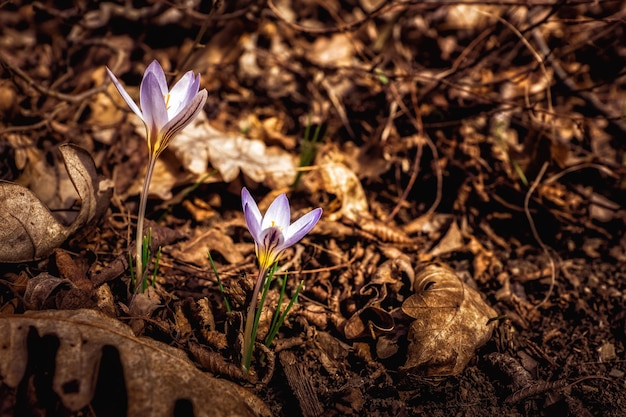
[(387, 282), (200, 150), (338, 179), (336, 51), (29, 231), (451, 322), (195, 249), (155, 376)]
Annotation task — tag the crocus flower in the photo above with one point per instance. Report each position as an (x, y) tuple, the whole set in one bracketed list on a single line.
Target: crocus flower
[(164, 112), (272, 234)]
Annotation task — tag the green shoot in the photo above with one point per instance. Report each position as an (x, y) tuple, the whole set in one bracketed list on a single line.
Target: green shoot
[(142, 283), (384, 80), (219, 281), (157, 258), (307, 151), (279, 318)]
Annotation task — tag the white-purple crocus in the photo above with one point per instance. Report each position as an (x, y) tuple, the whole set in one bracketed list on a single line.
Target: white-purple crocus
[(272, 234), (165, 113)]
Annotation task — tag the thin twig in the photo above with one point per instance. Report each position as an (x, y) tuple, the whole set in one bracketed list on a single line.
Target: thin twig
[(611, 115), (531, 190), (47, 91)]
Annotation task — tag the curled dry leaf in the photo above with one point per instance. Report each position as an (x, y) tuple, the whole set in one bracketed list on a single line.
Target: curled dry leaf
[(369, 321), (156, 376), (451, 322), (388, 280), (47, 291), (41, 289), (29, 231)]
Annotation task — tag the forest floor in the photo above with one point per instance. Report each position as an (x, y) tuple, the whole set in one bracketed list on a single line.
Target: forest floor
[(470, 160)]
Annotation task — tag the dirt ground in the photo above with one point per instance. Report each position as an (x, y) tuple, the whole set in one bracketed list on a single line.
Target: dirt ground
[(470, 159)]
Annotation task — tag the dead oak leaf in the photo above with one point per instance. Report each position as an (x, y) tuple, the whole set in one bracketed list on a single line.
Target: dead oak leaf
[(451, 322)]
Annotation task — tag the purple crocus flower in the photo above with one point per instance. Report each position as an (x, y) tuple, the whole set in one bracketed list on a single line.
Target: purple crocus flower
[(164, 112), (273, 232)]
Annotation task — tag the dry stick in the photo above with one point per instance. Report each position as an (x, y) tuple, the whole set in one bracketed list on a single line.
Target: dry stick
[(544, 166), (26, 128), (610, 114), (79, 98), (584, 165), (198, 38), (533, 51), (536, 234), (385, 7), (540, 387), (417, 123), (420, 128), (382, 7), (416, 162), (47, 91), (301, 384), (456, 64)]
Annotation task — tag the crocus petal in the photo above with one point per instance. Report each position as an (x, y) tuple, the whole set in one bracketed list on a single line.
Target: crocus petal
[(124, 94), (155, 69), (301, 227), (181, 94), (251, 213), (152, 103), (277, 214), (182, 119), (246, 199), (253, 223)]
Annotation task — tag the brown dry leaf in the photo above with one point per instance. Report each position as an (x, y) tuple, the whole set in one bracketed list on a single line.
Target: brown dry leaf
[(50, 182), (335, 51), (29, 231), (195, 249), (156, 375), (452, 241), (451, 322), (340, 180), (108, 107), (474, 17)]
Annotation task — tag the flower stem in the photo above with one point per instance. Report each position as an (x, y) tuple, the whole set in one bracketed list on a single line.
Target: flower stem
[(143, 200), (249, 333)]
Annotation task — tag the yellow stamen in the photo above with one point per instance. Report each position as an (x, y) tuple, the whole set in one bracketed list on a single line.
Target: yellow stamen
[(167, 101)]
